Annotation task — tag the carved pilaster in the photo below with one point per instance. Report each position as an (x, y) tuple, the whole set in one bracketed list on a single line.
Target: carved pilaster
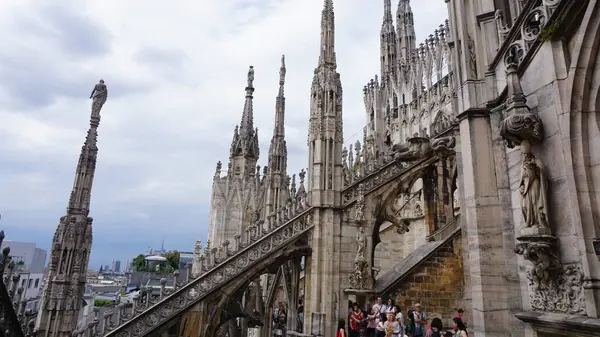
[(552, 286), (359, 277)]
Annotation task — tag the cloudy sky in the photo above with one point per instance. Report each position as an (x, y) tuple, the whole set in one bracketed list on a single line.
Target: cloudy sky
[(176, 72)]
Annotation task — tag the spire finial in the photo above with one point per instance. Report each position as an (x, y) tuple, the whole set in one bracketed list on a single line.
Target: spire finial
[(327, 56), (387, 11)]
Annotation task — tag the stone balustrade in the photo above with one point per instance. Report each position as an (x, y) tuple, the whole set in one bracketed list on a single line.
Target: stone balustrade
[(149, 309)]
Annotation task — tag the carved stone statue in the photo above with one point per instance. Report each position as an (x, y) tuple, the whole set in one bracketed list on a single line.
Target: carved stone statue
[(361, 242), (359, 275), (198, 248), (414, 148), (98, 96), (444, 144), (543, 263), (533, 189), (250, 76), (360, 204)]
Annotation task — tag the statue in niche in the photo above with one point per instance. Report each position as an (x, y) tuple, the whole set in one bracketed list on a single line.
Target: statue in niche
[(533, 189), (361, 242)]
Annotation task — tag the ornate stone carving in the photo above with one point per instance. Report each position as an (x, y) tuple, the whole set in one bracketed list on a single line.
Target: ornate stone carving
[(361, 243), (415, 148), (220, 274), (383, 176), (443, 144), (553, 286), (359, 276), (441, 123), (527, 29), (503, 27), (360, 204), (514, 55), (518, 127), (520, 124), (402, 226), (533, 24)]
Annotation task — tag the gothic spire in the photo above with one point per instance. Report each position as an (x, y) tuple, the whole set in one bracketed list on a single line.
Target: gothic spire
[(69, 256), (405, 29), (279, 129), (277, 192), (387, 12), (388, 45), (247, 123), (327, 56), (278, 148), (245, 138), (325, 136)]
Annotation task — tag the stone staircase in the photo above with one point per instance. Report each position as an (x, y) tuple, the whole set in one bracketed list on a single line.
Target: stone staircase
[(403, 268), (150, 312)]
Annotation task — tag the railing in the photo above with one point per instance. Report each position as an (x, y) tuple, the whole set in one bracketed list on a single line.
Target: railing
[(373, 173), (383, 176), (15, 320), (444, 232), (147, 312)]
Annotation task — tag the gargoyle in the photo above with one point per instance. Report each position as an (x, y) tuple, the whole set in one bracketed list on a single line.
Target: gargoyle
[(413, 149)]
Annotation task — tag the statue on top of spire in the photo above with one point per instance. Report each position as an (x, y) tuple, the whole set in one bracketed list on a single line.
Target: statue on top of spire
[(250, 76), (282, 70), (98, 96)]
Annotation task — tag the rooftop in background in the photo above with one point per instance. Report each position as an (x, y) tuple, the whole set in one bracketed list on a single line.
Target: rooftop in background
[(26, 255)]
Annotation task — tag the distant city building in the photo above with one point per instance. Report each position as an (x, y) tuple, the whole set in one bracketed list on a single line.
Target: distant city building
[(117, 267), (184, 258), (26, 255), (31, 262)]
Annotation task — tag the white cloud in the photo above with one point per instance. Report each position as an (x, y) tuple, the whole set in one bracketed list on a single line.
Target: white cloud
[(176, 73)]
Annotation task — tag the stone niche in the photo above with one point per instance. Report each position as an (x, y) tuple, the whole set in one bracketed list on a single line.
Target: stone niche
[(397, 242)]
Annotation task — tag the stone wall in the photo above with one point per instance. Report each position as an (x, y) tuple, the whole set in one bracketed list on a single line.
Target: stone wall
[(437, 284), (394, 247)]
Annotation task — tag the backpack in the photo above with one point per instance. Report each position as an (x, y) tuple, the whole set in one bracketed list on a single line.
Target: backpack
[(410, 327)]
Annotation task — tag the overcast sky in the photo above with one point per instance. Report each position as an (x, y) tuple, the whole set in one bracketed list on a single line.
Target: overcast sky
[(176, 72)]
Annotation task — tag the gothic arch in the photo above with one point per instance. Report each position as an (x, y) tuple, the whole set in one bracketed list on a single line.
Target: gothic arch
[(582, 106)]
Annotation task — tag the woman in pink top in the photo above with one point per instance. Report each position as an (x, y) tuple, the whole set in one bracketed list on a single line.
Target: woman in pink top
[(371, 323)]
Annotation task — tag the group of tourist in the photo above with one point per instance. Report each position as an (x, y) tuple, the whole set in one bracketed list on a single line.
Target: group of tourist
[(387, 320)]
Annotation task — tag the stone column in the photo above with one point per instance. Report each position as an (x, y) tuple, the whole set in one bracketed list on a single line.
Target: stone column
[(440, 214), (294, 298), (481, 220), (429, 198)]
